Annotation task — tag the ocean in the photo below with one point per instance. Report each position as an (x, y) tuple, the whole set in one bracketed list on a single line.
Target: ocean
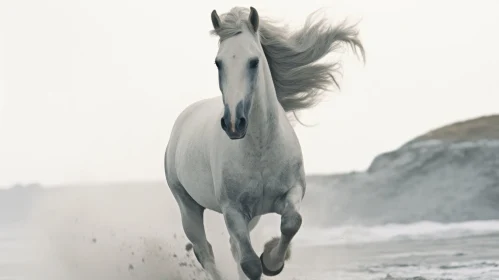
[(462, 251)]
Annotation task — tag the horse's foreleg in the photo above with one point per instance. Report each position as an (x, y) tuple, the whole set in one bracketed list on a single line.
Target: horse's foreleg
[(237, 226), (235, 250), (276, 251), (192, 222)]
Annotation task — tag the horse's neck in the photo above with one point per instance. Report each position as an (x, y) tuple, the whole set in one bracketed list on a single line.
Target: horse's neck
[(265, 112)]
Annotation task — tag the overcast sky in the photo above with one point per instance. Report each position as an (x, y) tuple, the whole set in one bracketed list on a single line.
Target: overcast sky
[(89, 89)]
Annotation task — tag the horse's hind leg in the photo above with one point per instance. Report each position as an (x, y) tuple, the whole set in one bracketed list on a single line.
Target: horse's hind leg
[(235, 250), (276, 251), (192, 222)]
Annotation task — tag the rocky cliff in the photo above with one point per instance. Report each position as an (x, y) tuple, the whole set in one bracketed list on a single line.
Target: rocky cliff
[(450, 174)]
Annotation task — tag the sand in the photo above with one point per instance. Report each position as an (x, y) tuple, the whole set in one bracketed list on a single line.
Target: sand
[(123, 232)]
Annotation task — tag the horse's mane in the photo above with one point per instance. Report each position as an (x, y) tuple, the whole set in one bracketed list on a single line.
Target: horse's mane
[(298, 80)]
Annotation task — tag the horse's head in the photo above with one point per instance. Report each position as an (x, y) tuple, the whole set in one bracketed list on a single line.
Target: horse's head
[(238, 63)]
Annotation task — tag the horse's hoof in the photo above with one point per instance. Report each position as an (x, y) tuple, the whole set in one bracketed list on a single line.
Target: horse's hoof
[(269, 272), (252, 269)]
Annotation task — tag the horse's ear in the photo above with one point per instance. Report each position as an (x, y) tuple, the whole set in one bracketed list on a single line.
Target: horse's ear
[(215, 19), (254, 19)]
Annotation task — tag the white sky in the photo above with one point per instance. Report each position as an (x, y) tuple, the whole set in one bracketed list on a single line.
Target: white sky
[(89, 89)]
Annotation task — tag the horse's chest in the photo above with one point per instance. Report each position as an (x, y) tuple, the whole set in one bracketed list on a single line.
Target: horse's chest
[(275, 182), (255, 188)]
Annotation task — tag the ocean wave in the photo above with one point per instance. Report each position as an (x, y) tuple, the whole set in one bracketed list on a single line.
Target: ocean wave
[(423, 230)]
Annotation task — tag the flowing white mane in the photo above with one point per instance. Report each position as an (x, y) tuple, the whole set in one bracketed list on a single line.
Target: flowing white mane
[(299, 81)]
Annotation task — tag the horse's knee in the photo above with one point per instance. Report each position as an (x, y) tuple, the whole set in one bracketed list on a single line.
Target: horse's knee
[(290, 223), (252, 269)]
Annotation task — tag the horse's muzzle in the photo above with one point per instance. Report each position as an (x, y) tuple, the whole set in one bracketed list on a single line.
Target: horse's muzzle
[(235, 130)]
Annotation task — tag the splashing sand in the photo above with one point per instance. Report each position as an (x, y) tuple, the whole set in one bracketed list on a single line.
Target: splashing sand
[(121, 232)]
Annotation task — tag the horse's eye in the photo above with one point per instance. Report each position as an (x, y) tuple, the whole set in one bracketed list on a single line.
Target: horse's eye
[(253, 63)]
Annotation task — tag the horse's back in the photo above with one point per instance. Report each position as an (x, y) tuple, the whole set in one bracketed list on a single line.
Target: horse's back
[(187, 155)]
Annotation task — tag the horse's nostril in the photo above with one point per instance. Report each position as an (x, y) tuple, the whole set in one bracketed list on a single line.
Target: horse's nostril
[(224, 125), (241, 124)]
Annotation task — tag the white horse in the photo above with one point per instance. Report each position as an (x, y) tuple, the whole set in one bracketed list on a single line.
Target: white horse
[(238, 154)]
